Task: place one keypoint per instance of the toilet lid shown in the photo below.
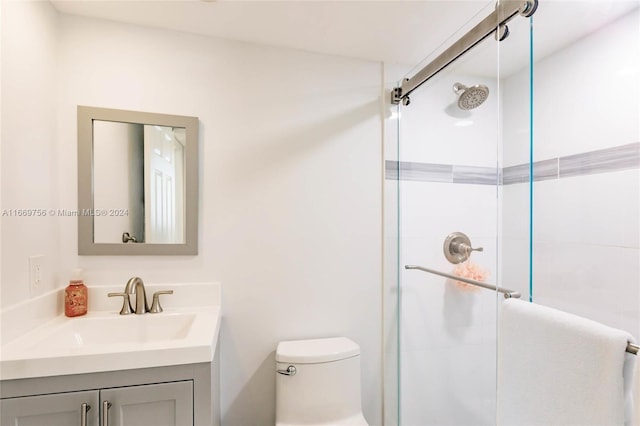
(316, 350)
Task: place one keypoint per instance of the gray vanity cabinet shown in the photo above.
(177, 395)
(60, 409)
(164, 404)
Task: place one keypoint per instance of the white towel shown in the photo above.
(555, 368)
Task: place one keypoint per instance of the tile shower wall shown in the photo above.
(289, 205)
(586, 257)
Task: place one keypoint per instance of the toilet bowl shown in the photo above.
(318, 383)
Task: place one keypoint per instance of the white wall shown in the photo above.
(29, 170)
(586, 257)
(290, 217)
(1, 203)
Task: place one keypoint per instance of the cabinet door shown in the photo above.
(60, 409)
(165, 404)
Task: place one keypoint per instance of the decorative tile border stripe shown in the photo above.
(476, 175)
(445, 173)
(542, 170)
(623, 157)
(515, 174)
(422, 172)
(602, 161)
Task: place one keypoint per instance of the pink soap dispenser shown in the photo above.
(75, 296)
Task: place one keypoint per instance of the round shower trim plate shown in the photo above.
(452, 247)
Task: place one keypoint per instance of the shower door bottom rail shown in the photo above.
(507, 293)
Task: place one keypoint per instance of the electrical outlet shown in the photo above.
(36, 275)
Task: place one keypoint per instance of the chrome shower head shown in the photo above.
(470, 97)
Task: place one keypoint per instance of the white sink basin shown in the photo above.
(118, 329)
(185, 333)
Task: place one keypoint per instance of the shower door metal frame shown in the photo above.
(496, 21)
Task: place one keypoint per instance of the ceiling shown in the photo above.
(393, 31)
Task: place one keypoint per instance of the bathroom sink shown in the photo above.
(103, 340)
(118, 329)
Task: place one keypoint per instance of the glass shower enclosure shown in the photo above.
(530, 148)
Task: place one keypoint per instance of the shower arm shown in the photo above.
(496, 21)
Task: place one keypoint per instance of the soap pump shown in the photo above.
(75, 296)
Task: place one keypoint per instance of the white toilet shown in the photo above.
(318, 383)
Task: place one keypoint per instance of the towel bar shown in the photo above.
(507, 293)
(631, 347)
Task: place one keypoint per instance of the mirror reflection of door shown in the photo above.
(163, 184)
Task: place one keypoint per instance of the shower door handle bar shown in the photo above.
(507, 293)
(504, 12)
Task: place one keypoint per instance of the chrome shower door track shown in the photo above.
(497, 20)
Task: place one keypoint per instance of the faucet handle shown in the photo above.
(155, 305)
(126, 305)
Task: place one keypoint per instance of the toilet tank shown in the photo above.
(325, 388)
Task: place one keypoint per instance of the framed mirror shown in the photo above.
(137, 183)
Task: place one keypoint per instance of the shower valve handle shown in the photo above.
(457, 247)
(467, 249)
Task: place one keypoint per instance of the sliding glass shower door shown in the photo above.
(540, 169)
(446, 182)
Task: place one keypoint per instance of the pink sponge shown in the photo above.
(471, 271)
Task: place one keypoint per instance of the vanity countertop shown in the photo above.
(102, 340)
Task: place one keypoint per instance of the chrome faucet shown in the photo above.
(136, 284)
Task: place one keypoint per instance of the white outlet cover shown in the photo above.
(36, 275)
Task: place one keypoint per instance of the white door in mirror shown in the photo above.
(163, 184)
